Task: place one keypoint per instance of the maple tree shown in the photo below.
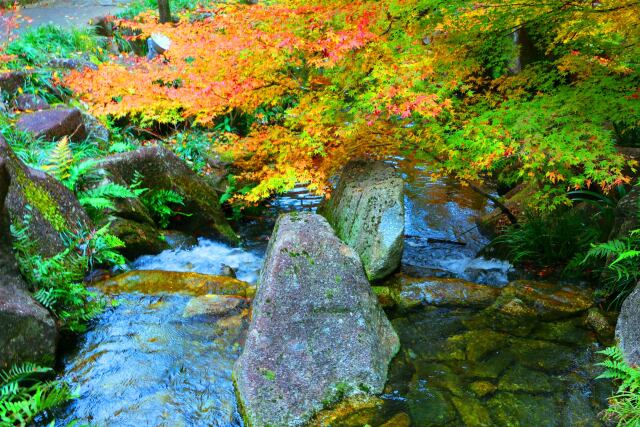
(440, 81)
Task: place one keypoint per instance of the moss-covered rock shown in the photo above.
(28, 330)
(162, 170)
(472, 412)
(139, 238)
(482, 388)
(401, 419)
(429, 406)
(542, 355)
(523, 410)
(317, 332)
(520, 379)
(367, 212)
(157, 282)
(38, 201)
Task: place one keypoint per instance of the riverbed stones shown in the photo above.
(54, 124)
(515, 409)
(29, 332)
(628, 328)
(40, 203)
(160, 169)
(153, 282)
(413, 292)
(212, 305)
(317, 333)
(367, 211)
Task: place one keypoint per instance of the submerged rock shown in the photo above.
(29, 332)
(354, 411)
(513, 409)
(160, 169)
(443, 292)
(429, 406)
(212, 305)
(401, 419)
(472, 412)
(317, 333)
(628, 328)
(547, 301)
(158, 281)
(39, 202)
(54, 124)
(367, 212)
(521, 379)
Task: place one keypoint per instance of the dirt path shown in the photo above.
(67, 13)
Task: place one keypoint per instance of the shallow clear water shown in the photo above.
(145, 363)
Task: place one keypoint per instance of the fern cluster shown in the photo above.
(624, 405)
(24, 394)
(57, 280)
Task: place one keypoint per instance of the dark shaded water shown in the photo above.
(145, 363)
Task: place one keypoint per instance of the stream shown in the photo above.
(146, 362)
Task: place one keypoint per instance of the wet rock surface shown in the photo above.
(317, 332)
(367, 211)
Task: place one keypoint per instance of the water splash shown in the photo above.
(207, 257)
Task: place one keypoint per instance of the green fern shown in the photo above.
(60, 161)
(624, 405)
(24, 394)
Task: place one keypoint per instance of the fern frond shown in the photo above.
(60, 160)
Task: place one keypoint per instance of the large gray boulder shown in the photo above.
(160, 169)
(628, 328)
(317, 333)
(39, 202)
(28, 330)
(367, 212)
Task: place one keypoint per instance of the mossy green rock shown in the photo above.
(429, 406)
(38, 201)
(520, 379)
(472, 412)
(354, 411)
(317, 333)
(139, 238)
(162, 170)
(542, 355)
(523, 410)
(29, 331)
(367, 212)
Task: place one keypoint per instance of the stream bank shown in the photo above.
(145, 362)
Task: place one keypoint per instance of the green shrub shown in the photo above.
(558, 240)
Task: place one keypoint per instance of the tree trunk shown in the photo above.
(165, 11)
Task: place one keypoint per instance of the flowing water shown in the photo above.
(146, 362)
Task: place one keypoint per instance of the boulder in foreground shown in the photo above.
(628, 328)
(29, 332)
(367, 212)
(317, 333)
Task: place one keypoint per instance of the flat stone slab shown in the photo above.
(54, 124)
(317, 333)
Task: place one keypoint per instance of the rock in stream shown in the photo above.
(317, 333)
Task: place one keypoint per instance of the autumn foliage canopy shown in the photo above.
(537, 91)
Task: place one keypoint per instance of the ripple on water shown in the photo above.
(207, 257)
(143, 363)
